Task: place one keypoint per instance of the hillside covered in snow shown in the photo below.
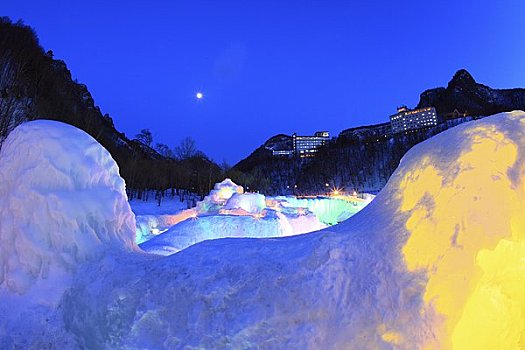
(435, 261)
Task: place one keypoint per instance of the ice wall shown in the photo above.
(330, 211)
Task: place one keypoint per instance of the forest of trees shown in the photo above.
(34, 85)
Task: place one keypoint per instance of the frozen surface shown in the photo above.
(435, 261)
(329, 210)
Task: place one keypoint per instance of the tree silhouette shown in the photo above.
(145, 137)
(186, 149)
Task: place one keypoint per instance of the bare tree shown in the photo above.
(145, 137)
(164, 150)
(186, 149)
(225, 166)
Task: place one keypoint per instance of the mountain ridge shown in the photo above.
(466, 95)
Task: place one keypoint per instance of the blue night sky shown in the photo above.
(268, 67)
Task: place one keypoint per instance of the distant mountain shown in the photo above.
(464, 94)
(364, 157)
(264, 152)
(34, 85)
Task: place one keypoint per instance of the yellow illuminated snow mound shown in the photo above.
(465, 224)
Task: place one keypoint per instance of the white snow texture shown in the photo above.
(403, 273)
(62, 202)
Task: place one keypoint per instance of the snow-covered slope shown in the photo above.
(435, 261)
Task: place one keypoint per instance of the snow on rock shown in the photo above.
(435, 261)
(62, 203)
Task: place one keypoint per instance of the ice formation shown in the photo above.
(62, 203)
(228, 212)
(192, 231)
(220, 194)
(252, 203)
(329, 210)
(149, 226)
(289, 215)
(435, 261)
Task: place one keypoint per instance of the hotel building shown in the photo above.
(306, 146)
(407, 120)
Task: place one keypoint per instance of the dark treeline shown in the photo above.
(359, 164)
(34, 85)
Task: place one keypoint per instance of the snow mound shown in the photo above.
(252, 203)
(435, 261)
(219, 195)
(62, 202)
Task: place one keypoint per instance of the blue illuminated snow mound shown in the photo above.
(62, 202)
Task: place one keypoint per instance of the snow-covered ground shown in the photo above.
(168, 206)
(435, 261)
(153, 219)
(229, 212)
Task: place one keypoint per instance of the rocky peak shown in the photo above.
(466, 96)
(462, 78)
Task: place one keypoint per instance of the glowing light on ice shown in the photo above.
(228, 212)
(199, 95)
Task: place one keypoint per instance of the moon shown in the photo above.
(199, 95)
